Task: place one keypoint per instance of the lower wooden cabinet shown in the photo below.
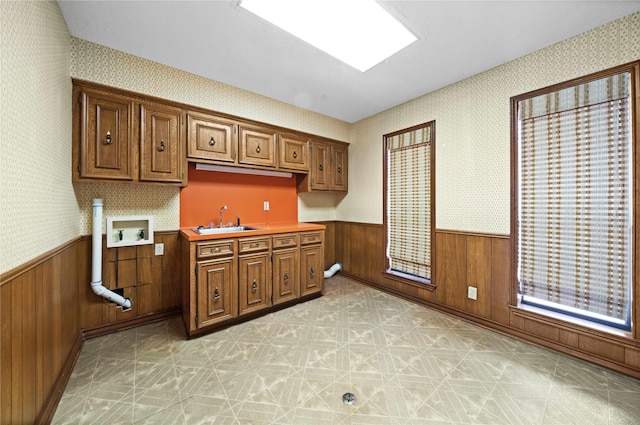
(215, 292)
(228, 280)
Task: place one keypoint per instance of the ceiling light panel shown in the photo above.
(360, 33)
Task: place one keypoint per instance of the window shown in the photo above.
(409, 207)
(574, 197)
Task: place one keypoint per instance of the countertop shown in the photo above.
(258, 229)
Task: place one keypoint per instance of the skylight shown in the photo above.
(360, 33)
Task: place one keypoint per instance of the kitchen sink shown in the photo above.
(217, 230)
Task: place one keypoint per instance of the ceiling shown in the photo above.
(221, 41)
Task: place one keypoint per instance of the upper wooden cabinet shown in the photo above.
(161, 151)
(329, 168)
(117, 136)
(293, 153)
(211, 137)
(257, 146)
(103, 145)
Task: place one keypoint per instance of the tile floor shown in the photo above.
(405, 364)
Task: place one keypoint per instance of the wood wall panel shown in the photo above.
(39, 314)
(451, 268)
(500, 286)
(479, 275)
(46, 304)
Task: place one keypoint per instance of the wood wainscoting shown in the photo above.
(464, 259)
(47, 308)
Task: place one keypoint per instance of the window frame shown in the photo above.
(515, 298)
(395, 275)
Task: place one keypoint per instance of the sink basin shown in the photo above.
(218, 230)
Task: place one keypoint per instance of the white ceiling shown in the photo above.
(221, 41)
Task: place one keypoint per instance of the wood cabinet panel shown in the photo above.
(103, 136)
(161, 156)
(215, 292)
(340, 168)
(211, 137)
(286, 277)
(293, 153)
(320, 174)
(255, 283)
(311, 269)
(257, 146)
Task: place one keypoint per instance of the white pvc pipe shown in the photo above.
(332, 270)
(96, 260)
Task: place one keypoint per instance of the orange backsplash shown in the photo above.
(243, 194)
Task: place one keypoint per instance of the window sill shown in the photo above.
(560, 319)
(408, 279)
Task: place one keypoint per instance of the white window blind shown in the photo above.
(409, 202)
(575, 200)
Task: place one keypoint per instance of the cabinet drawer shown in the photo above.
(286, 240)
(253, 244)
(311, 238)
(214, 249)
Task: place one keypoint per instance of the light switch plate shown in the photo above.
(266, 205)
(159, 249)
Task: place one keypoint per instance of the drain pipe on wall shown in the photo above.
(96, 261)
(332, 270)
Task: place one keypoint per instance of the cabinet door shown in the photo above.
(320, 166)
(311, 269)
(211, 137)
(255, 282)
(293, 153)
(215, 292)
(340, 164)
(161, 157)
(257, 146)
(286, 279)
(104, 136)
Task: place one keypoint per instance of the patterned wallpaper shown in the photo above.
(93, 62)
(472, 130)
(38, 208)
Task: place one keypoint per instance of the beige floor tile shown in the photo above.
(406, 364)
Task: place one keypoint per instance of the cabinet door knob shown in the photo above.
(161, 146)
(286, 277)
(216, 294)
(311, 272)
(212, 141)
(258, 149)
(107, 138)
(254, 287)
(340, 168)
(295, 154)
(321, 167)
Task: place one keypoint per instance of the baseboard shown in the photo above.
(126, 324)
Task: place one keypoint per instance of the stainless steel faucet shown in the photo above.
(222, 209)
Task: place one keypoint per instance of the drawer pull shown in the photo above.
(254, 245)
(212, 141)
(216, 294)
(312, 238)
(285, 241)
(254, 287)
(216, 249)
(286, 277)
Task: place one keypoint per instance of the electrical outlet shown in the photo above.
(266, 205)
(159, 249)
(472, 292)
